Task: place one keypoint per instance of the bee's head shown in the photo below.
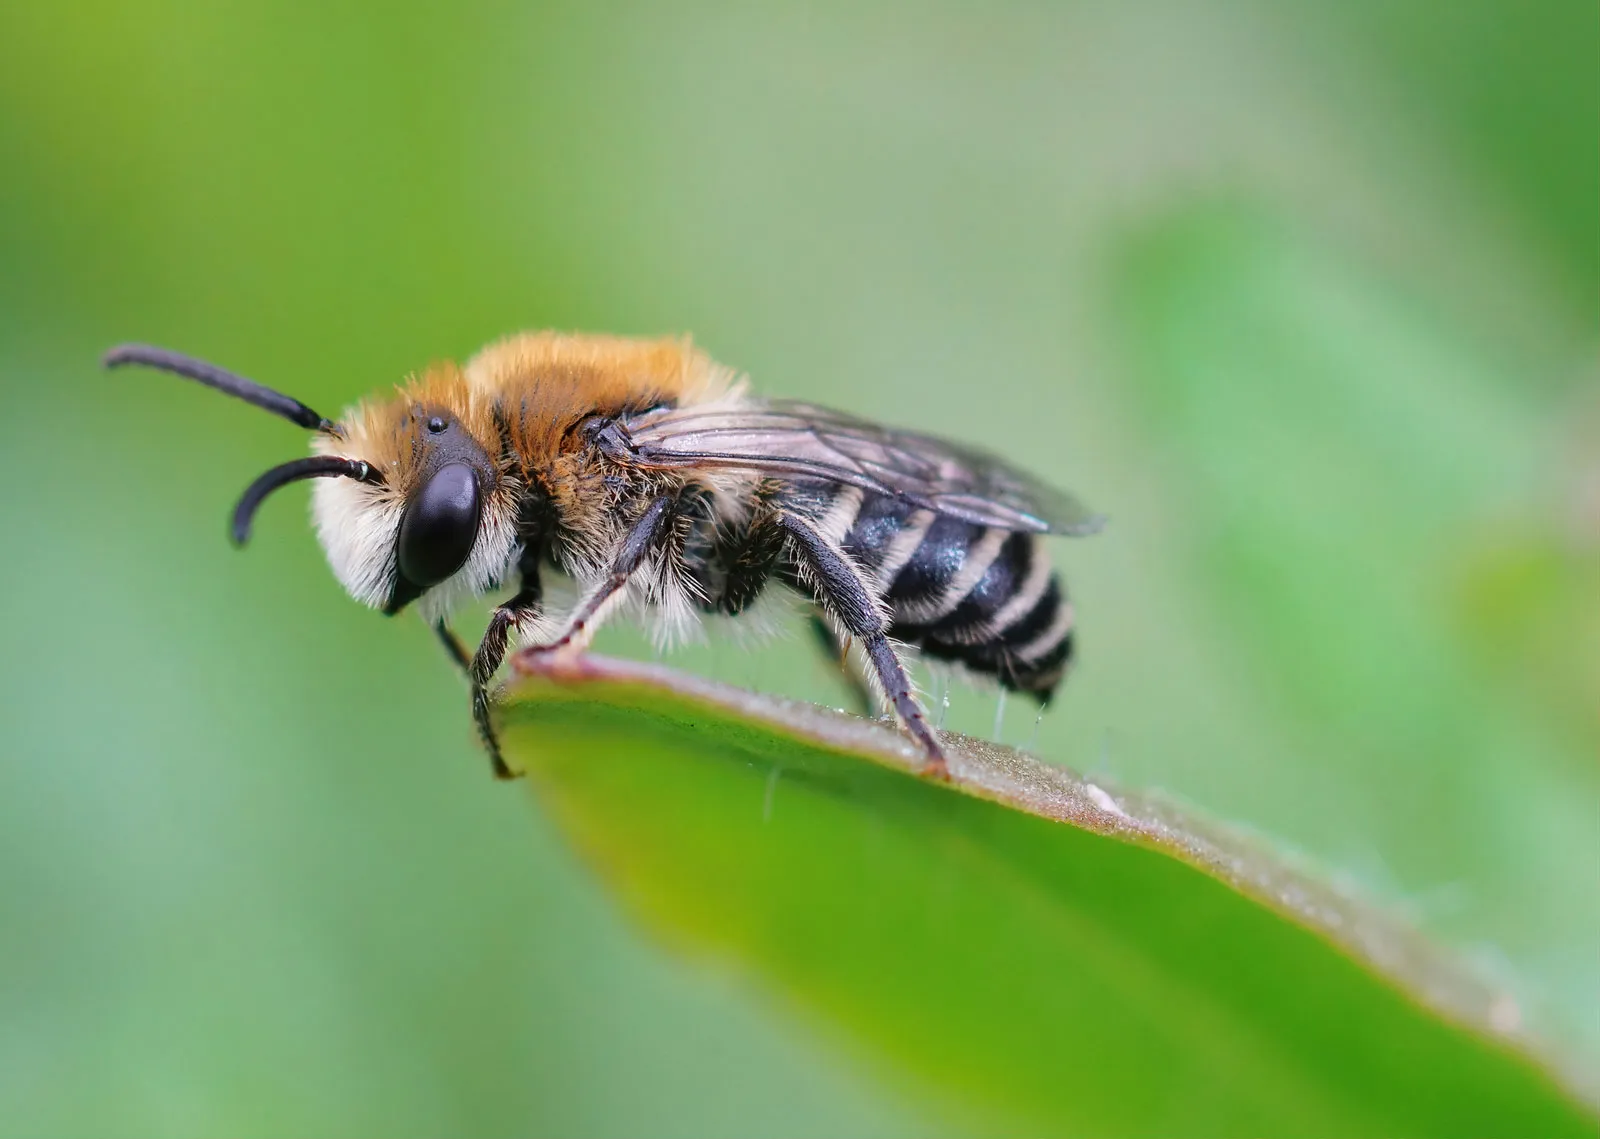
(408, 502)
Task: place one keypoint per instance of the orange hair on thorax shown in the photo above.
(529, 391)
(542, 384)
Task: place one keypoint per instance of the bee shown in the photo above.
(653, 478)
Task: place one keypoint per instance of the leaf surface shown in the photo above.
(1023, 950)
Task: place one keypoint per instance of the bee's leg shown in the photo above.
(847, 595)
(585, 619)
(491, 651)
(453, 646)
(838, 652)
(466, 662)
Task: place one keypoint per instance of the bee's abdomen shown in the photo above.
(979, 596)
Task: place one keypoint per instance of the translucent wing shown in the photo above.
(801, 440)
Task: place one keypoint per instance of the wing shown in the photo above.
(798, 439)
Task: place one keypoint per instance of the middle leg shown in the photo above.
(636, 545)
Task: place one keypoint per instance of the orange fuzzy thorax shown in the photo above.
(539, 385)
(545, 383)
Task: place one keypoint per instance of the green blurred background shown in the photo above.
(1303, 296)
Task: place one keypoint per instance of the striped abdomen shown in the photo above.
(979, 596)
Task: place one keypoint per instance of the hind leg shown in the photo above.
(842, 590)
(863, 700)
(748, 558)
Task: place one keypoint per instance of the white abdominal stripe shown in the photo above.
(981, 597)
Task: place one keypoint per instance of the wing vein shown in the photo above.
(811, 442)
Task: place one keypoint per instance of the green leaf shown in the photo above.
(1382, 519)
(1023, 950)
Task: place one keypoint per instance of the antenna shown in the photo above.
(222, 380)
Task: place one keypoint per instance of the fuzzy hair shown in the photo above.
(519, 399)
(359, 523)
(545, 383)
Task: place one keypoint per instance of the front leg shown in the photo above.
(845, 592)
(481, 666)
(452, 645)
(579, 628)
(486, 662)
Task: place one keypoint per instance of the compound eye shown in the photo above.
(440, 525)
